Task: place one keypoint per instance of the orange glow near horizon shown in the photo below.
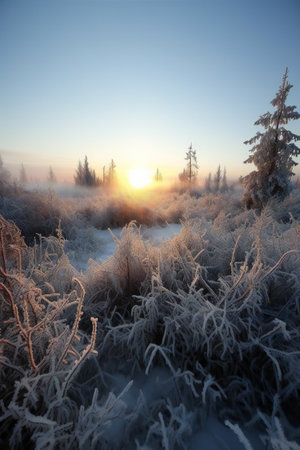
(139, 177)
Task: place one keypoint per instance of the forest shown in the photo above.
(191, 341)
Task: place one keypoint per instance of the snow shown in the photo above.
(211, 434)
(106, 245)
(173, 304)
(217, 436)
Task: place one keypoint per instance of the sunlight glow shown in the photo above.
(139, 177)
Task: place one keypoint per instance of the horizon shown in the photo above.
(137, 82)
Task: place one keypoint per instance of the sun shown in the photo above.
(139, 177)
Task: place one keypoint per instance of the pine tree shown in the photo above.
(217, 179)
(192, 166)
(5, 180)
(87, 175)
(103, 176)
(78, 177)
(272, 153)
(208, 187)
(224, 185)
(158, 176)
(23, 175)
(51, 176)
(111, 172)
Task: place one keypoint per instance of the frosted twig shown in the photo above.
(3, 249)
(238, 432)
(233, 254)
(89, 349)
(12, 304)
(278, 263)
(76, 323)
(165, 441)
(19, 256)
(29, 343)
(155, 349)
(117, 241)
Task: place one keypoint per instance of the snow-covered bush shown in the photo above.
(206, 324)
(42, 350)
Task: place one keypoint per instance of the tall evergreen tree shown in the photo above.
(272, 153)
(208, 187)
(190, 172)
(103, 176)
(85, 176)
(51, 176)
(217, 179)
(23, 175)
(5, 180)
(78, 177)
(158, 176)
(224, 184)
(111, 172)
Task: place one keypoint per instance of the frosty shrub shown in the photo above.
(206, 324)
(272, 153)
(42, 351)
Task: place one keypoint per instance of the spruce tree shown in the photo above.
(192, 166)
(217, 179)
(78, 177)
(224, 184)
(272, 153)
(23, 175)
(5, 181)
(85, 176)
(208, 187)
(111, 172)
(51, 176)
(158, 176)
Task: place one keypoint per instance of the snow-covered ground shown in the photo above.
(211, 434)
(171, 368)
(105, 244)
(156, 235)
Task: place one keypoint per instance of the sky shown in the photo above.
(139, 80)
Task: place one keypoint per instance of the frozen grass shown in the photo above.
(206, 324)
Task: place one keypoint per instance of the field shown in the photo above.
(191, 341)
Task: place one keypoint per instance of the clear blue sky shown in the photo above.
(138, 81)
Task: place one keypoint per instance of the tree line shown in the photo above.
(272, 154)
(85, 176)
(188, 176)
